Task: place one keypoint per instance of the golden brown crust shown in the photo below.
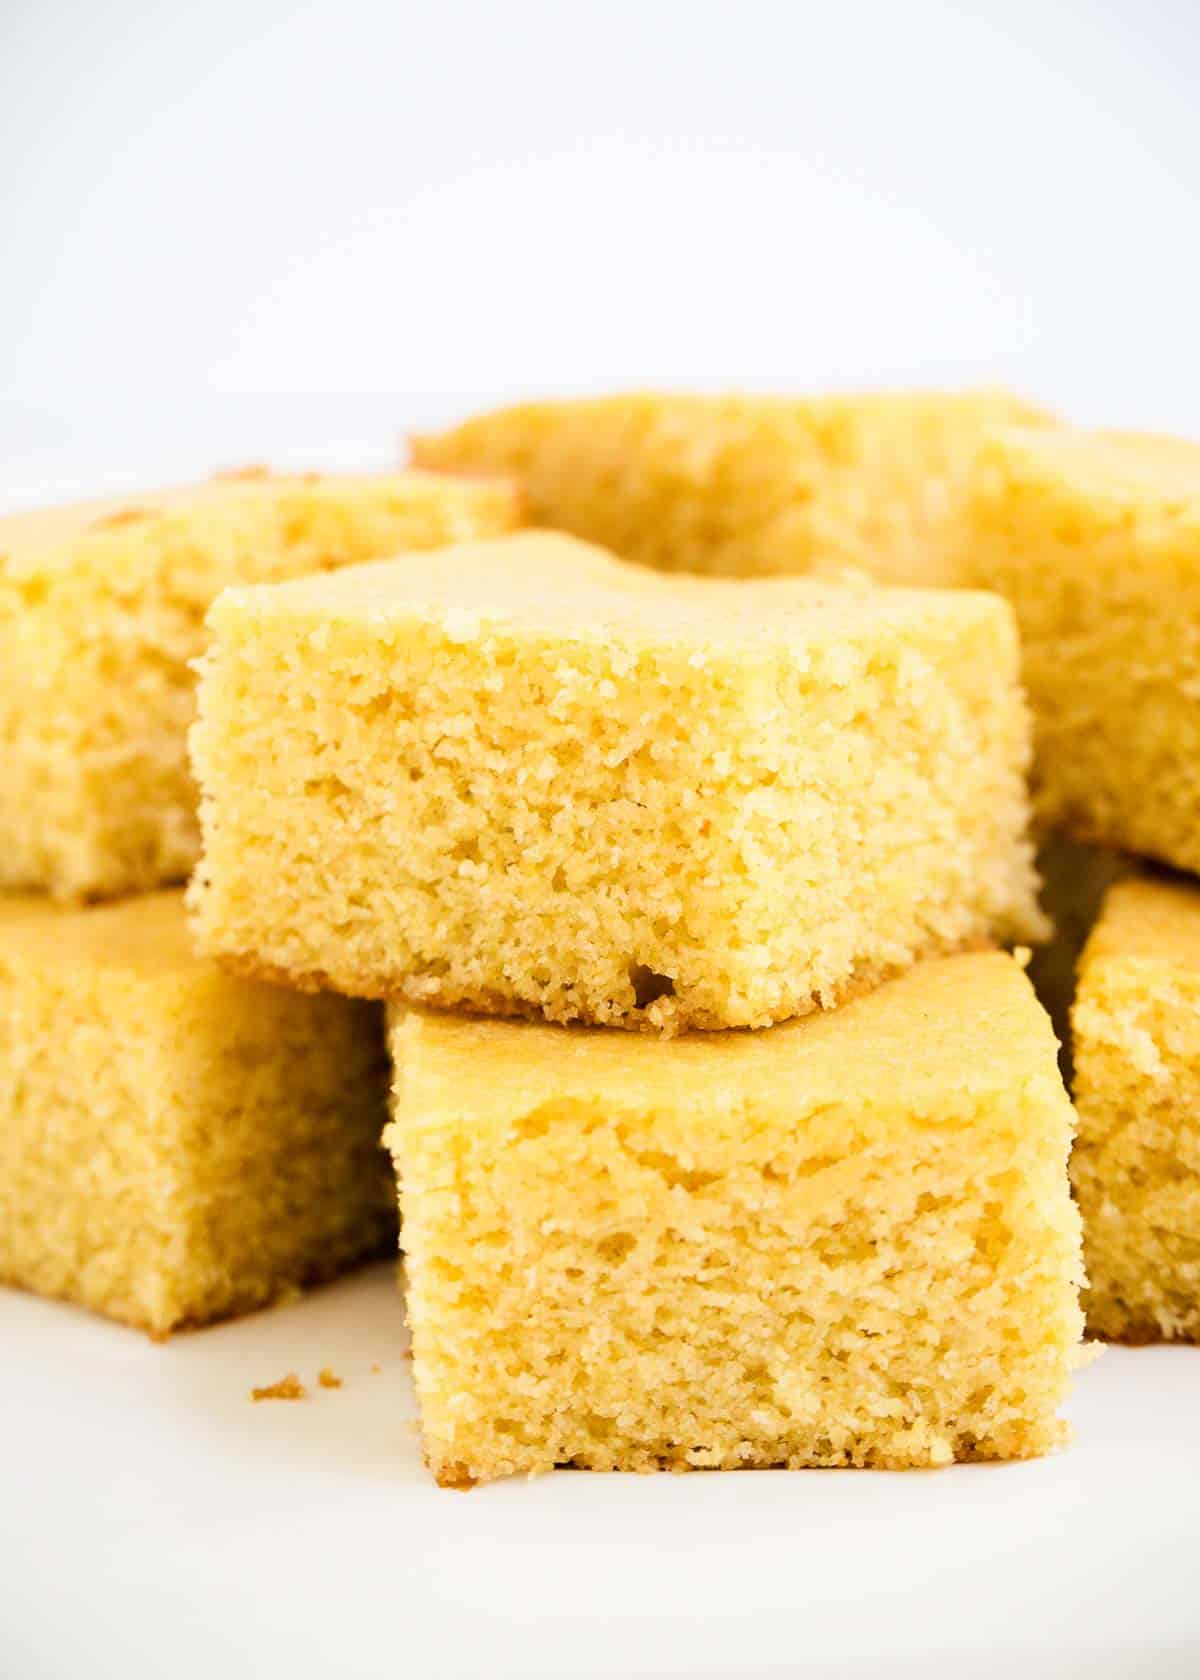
(1113, 1328)
(1034, 1443)
(248, 967)
(665, 1018)
(320, 1272)
(456, 1477)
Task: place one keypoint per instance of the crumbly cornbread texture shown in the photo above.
(176, 1144)
(746, 485)
(847, 1240)
(539, 780)
(1136, 1167)
(1096, 541)
(102, 608)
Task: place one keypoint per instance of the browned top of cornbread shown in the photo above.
(74, 535)
(544, 581)
(146, 935)
(967, 1025)
(1148, 920)
(1140, 472)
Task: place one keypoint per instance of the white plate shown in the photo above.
(154, 1522)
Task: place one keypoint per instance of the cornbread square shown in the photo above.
(102, 609)
(175, 1144)
(746, 485)
(1095, 538)
(848, 1240)
(538, 780)
(1136, 1166)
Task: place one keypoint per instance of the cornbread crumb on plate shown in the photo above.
(1095, 539)
(101, 611)
(1136, 1167)
(287, 1388)
(176, 1144)
(328, 1378)
(848, 1240)
(537, 780)
(745, 485)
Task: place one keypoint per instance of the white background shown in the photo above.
(239, 225)
(244, 230)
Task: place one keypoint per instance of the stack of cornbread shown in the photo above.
(726, 1131)
(1094, 538)
(176, 1143)
(757, 1173)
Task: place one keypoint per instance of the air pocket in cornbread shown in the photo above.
(847, 1240)
(102, 609)
(534, 779)
(176, 1144)
(1136, 1167)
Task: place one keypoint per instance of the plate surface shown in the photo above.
(154, 1521)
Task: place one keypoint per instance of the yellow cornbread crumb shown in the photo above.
(287, 1388)
(101, 610)
(1136, 1167)
(328, 1378)
(1095, 539)
(745, 485)
(538, 780)
(175, 1144)
(847, 1240)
